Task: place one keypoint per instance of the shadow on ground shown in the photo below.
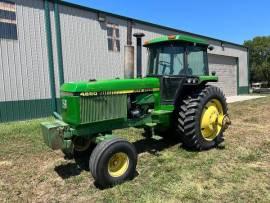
(153, 146)
(68, 170)
(150, 145)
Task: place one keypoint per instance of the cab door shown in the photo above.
(171, 68)
(170, 85)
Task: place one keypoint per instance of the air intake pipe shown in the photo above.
(129, 54)
(139, 37)
(129, 62)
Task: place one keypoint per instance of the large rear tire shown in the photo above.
(199, 118)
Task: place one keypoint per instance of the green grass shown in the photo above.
(30, 171)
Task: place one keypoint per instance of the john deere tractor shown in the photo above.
(173, 98)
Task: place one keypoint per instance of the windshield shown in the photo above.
(169, 59)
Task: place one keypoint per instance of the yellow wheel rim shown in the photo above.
(212, 119)
(118, 164)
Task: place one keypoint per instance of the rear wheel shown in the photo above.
(200, 118)
(113, 162)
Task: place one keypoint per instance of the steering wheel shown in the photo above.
(165, 65)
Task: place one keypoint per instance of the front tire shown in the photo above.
(113, 162)
(199, 118)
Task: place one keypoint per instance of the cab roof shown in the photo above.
(169, 38)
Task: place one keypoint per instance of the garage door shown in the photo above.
(226, 70)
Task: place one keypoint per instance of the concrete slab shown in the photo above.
(232, 99)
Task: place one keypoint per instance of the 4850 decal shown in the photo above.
(87, 94)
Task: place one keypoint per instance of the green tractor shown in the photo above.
(173, 98)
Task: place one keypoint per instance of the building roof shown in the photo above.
(146, 23)
(182, 38)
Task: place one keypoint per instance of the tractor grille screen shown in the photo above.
(101, 108)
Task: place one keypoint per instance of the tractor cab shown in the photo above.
(177, 60)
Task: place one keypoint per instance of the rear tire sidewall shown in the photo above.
(188, 117)
(208, 143)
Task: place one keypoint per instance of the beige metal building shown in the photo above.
(44, 43)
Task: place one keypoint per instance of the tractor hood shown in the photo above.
(111, 85)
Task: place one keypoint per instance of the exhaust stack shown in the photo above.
(139, 37)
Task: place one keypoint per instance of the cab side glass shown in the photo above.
(196, 61)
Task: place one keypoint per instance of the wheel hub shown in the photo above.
(118, 164)
(212, 119)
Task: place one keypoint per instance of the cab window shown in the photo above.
(196, 60)
(166, 60)
(177, 59)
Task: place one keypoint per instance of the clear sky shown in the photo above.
(230, 20)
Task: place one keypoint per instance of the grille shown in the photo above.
(101, 108)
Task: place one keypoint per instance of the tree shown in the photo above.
(259, 55)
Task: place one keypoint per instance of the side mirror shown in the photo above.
(213, 73)
(211, 48)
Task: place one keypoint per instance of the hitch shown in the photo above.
(226, 122)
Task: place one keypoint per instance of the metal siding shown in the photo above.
(85, 50)
(27, 109)
(24, 85)
(104, 64)
(55, 56)
(99, 57)
(24, 67)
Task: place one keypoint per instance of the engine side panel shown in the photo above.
(101, 108)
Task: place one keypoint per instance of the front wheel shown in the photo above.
(201, 118)
(113, 162)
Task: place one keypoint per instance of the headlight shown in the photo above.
(189, 80)
(192, 80)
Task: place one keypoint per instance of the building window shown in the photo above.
(8, 25)
(113, 37)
